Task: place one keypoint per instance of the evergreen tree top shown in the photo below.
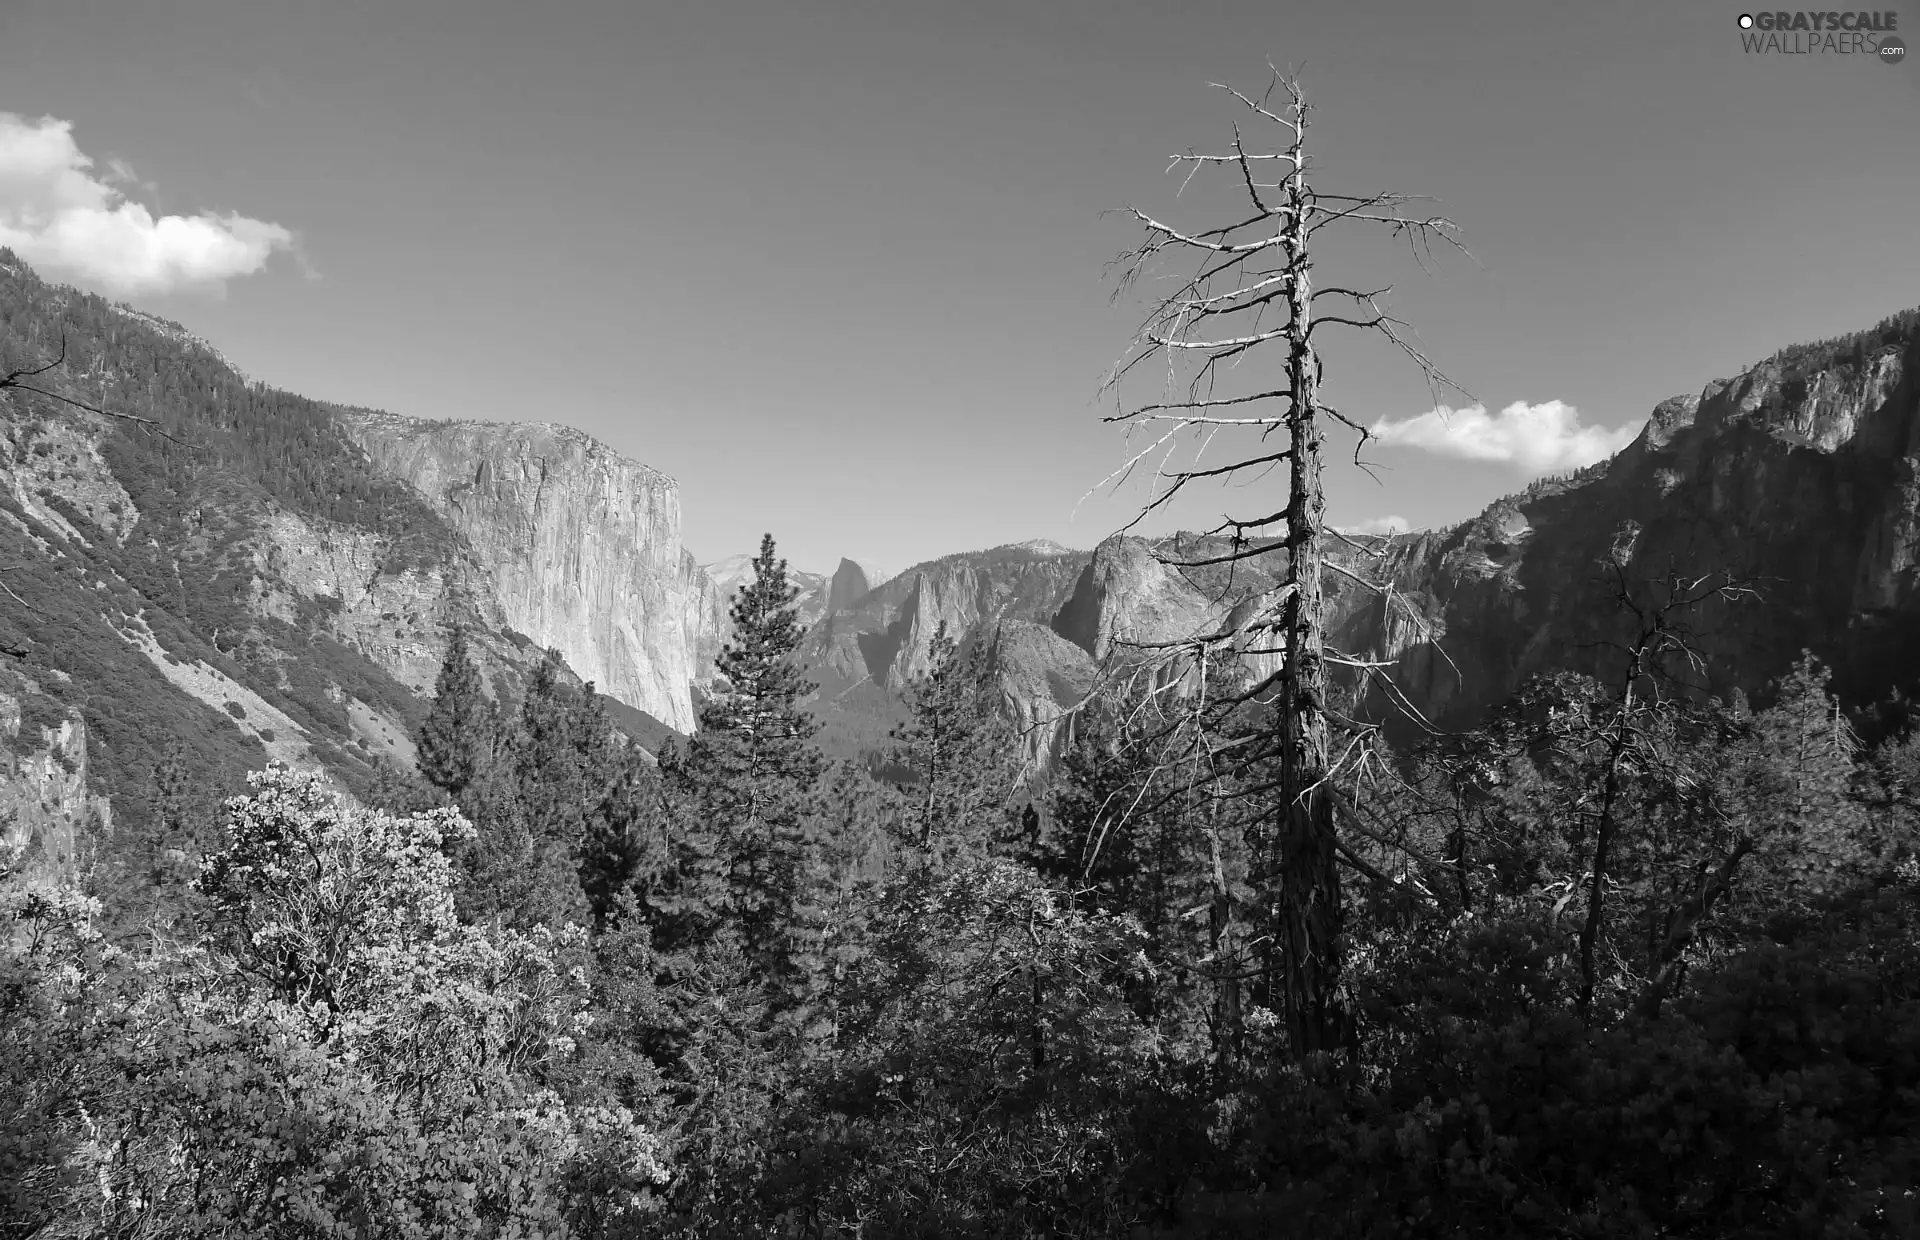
(764, 687)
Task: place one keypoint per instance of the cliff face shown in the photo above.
(582, 546)
(1797, 477)
(859, 656)
(848, 587)
(1800, 476)
(1041, 676)
(886, 636)
(46, 807)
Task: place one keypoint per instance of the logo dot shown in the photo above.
(1746, 21)
(1892, 50)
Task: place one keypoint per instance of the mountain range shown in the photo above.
(250, 574)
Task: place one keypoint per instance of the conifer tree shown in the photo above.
(455, 740)
(745, 838)
(625, 845)
(169, 848)
(962, 755)
(564, 757)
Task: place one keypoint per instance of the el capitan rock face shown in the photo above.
(582, 546)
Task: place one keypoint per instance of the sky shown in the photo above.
(842, 268)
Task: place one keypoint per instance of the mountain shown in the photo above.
(582, 546)
(1800, 477)
(257, 575)
(861, 655)
(730, 574)
(253, 575)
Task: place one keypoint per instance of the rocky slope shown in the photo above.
(1800, 476)
(860, 655)
(245, 586)
(47, 811)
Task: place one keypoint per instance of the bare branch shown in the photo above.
(16, 379)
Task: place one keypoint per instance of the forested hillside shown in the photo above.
(217, 578)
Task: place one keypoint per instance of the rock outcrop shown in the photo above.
(848, 587)
(46, 805)
(886, 636)
(1041, 676)
(582, 546)
(1800, 477)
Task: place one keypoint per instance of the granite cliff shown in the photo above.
(581, 546)
(1800, 476)
(247, 586)
(861, 655)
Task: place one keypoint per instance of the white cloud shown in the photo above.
(1379, 525)
(1539, 439)
(58, 214)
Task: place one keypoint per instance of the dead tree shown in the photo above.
(1243, 294)
(17, 379)
(1662, 636)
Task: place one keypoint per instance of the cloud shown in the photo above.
(1539, 439)
(1379, 525)
(58, 214)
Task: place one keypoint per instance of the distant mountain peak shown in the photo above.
(1039, 546)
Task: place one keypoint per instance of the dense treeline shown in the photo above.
(547, 987)
(1852, 351)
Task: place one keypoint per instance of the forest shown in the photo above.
(547, 987)
(1626, 959)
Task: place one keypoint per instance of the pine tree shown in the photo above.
(563, 757)
(455, 740)
(965, 764)
(745, 844)
(625, 846)
(1811, 835)
(401, 791)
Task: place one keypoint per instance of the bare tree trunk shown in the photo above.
(1243, 289)
(1309, 889)
(1228, 1018)
(1661, 634)
(1596, 887)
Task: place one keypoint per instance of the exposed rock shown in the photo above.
(1041, 676)
(397, 615)
(1798, 476)
(849, 586)
(58, 456)
(45, 802)
(1126, 595)
(582, 545)
(886, 637)
(282, 738)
